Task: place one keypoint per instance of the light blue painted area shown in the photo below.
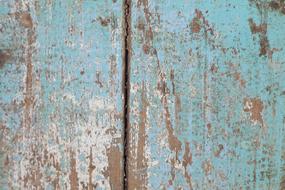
(213, 81)
(197, 63)
(76, 60)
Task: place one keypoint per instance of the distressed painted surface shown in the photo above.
(61, 94)
(207, 95)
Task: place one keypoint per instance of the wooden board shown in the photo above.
(207, 95)
(61, 94)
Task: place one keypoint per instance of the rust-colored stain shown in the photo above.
(278, 5)
(187, 157)
(238, 78)
(196, 22)
(146, 10)
(262, 28)
(174, 143)
(26, 19)
(104, 21)
(141, 24)
(262, 31)
(214, 69)
(114, 167)
(146, 29)
(187, 160)
(5, 55)
(172, 171)
(178, 108)
(255, 107)
(219, 150)
(207, 167)
(73, 176)
(199, 22)
(146, 48)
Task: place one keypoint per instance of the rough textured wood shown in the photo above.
(61, 94)
(207, 95)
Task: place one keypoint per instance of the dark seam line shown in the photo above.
(126, 84)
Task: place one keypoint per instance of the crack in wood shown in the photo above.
(126, 82)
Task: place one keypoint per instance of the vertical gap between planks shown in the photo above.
(126, 83)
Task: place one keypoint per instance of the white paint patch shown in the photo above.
(99, 103)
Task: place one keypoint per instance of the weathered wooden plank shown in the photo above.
(207, 95)
(61, 94)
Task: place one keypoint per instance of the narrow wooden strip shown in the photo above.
(207, 95)
(61, 94)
